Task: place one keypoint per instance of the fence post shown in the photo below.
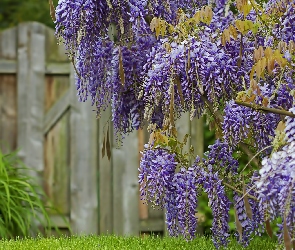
(125, 185)
(83, 158)
(30, 94)
(105, 181)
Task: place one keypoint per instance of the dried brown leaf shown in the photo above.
(291, 47)
(268, 228)
(281, 126)
(179, 88)
(238, 224)
(265, 102)
(154, 23)
(108, 145)
(121, 68)
(103, 151)
(171, 111)
(152, 138)
(268, 52)
(247, 204)
(270, 65)
(233, 31)
(52, 10)
(282, 46)
(287, 238)
(188, 66)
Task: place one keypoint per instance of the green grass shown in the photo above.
(125, 243)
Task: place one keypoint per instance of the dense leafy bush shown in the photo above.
(21, 206)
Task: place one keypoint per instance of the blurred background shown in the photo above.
(61, 138)
(13, 12)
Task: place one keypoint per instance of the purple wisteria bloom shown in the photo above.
(276, 184)
(220, 205)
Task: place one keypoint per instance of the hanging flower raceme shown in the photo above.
(276, 184)
(156, 172)
(220, 205)
(186, 187)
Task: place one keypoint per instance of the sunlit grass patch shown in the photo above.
(125, 243)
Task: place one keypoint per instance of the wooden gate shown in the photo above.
(61, 139)
(56, 135)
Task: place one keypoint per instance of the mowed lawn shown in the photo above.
(126, 243)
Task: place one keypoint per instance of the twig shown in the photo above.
(255, 156)
(270, 110)
(218, 117)
(248, 152)
(249, 195)
(238, 191)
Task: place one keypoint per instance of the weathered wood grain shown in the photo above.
(30, 89)
(143, 207)
(57, 165)
(125, 184)
(8, 44)
(197, 136)
(8, 113)
(84, 146)
(8, 66)
(105, 181)
(183, 128)
(63, 68)
(55, 89)
(58, 109)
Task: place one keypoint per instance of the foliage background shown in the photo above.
(13, 12)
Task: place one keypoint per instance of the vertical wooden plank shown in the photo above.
(8, 44)
(57, 169)
(197, 136)
(143, 207)
(8, 110)
(84, 150)
(30, 86)
(105, 178)
(183, 128)
(125, 187)
(8, 94)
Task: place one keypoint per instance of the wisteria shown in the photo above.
(220, 205)
(232, 62)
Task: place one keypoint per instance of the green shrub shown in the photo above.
(21, 206)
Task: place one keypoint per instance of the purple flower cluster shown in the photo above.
(79, 22)
(220, 157)
(185, 187)
(220, 205)
(276, 185)
(176, 192)
(288, 20)
(93, 80)
(156, 172)
(240, 122)
(236, 125)
(244, 221)
(258, 210)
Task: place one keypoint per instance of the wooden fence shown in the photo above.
(61, 139)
